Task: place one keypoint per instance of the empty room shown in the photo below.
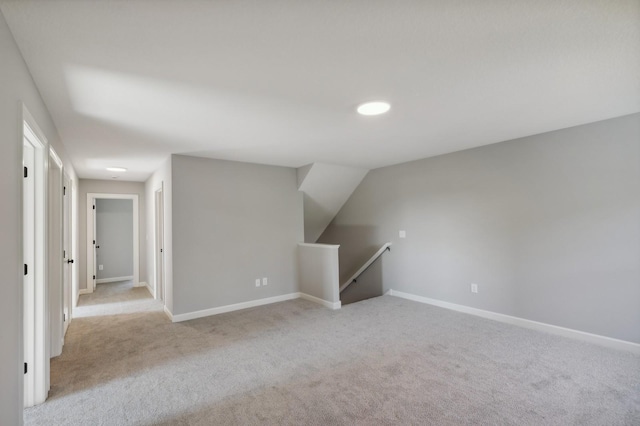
(290, 212)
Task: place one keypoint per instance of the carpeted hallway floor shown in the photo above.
(381, 361)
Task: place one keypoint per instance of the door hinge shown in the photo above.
(64, 317)
(94, 277)
(26, 173)
(160, 250)
(94, 242)
(26, 269)
(94, 207)
(25, 368)
(64, 190)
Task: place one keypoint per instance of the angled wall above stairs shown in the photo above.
(326, 188)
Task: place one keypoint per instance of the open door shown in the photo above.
(35, 299)
(55, 268)
(95, 248)
(159, 249)
(67, 261)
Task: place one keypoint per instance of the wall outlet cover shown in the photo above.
(265, 281)
(402, 234)
(100, 267)
(257, 282)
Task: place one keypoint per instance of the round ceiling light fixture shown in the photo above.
(116, 169)
(373, 108)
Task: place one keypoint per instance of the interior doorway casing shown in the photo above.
(35, 294)
(91, 223)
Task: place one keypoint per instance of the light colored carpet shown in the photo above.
(381, 361)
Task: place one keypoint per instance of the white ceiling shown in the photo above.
(277, 82)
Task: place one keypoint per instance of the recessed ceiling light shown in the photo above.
(373, 108)
(116, 169)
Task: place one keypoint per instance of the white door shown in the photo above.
(159, 245)
(95, 247)
(28, 235)
(55, 268)
(67, 254)
(35, 306)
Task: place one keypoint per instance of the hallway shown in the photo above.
(116, 298)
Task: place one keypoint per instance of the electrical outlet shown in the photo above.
(257, 282)
(402, 234)
(100, 267)
(474, 288)
(265, 281)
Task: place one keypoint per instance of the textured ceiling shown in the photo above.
(277, 82)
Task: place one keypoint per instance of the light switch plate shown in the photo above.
(402, 234)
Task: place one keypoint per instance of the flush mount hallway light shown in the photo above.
(116, 169)
(373, 108)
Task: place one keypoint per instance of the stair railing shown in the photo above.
(364, 267)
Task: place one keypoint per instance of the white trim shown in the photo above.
(115, 279)
(325, 303)
(534, 325)
(234, 307)
(148, 286)
(168, 312)
(136, 234)
(35, 320)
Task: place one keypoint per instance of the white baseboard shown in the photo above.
(535, 325)
(234, 307)
(169, 314)
(325, 303)
(148, 286)
(113, 280)
(84, 291)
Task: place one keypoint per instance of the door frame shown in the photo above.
(91, 272)
(35, 299)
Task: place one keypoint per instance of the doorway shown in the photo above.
(94, 245)
(35, 297)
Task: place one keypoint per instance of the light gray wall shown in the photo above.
(160, 179)
(326, 188)
(232, 223)
(548, 226)
(318, 271)
(87, 186)
(114, 235)
(16, 87)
